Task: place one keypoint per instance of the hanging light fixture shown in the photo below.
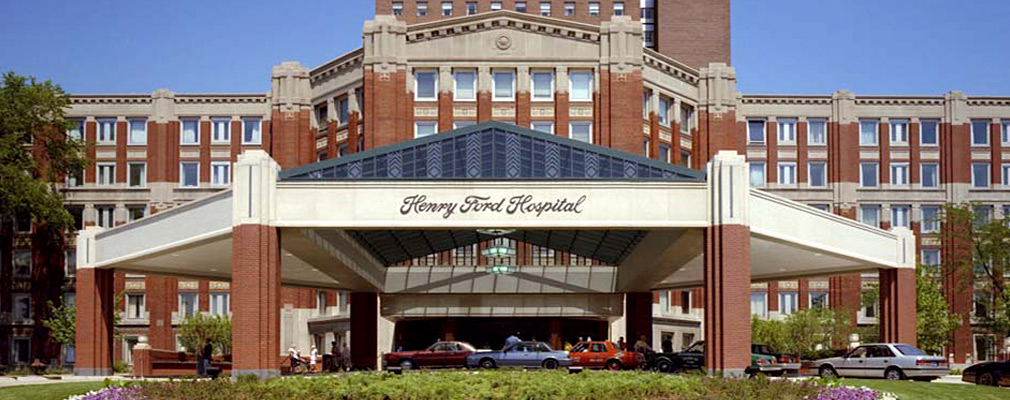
(495, 231)
(499, 252)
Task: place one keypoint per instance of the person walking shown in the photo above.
(335, 363)
(345, 357)
(667, 344)
(203, 361)
(622, 344)
(313, 357)
(641, 346)
(295, 357)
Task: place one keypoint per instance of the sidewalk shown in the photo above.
(7, 381)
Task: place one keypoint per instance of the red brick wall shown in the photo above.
(256, 294)
(897, 305)
(694, 32)
(94, 321)
(631, 7)
(727, 288)
(621, 120)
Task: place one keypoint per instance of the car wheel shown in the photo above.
(894, 374)
(614, 365)
(406, 364)
(988, 379)
(827, 372)
(487, 363)
(550, 364)
(664, 365)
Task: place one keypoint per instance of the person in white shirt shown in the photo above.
(313, 356)
(294, 356)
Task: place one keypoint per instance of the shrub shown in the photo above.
(195, 330)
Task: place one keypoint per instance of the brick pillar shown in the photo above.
(292, 140)
(555, 339)
(162, 297)
(727, 267)
(364, 330)
(717, 124)
(449, 329)
(638, 316)
(897, 293)
(95, 298)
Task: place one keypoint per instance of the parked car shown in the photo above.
(992, 373)
(528, 354)
(439, 355)
(693, 358)
(790, 363)
(600, 354)
(892, 361)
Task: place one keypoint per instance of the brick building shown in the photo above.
(648, 78)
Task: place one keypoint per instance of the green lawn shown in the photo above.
(50, 391)
(909, 390)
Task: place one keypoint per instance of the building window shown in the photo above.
(22, 263)
(930, 219)
(1006, 176)
(901, 216)
(686, 119)
(931, 258)
(321, 302)
(471, 8)
(1005, 134)
(979, 132)
(220, 173)
(70, 269)
(190, 131)
(136, 212)
(543, 126)
(321, 118)
(425, 128)
(422, 9)
(899, 174)
(930, 173)
(543, 85)
(664, 152)
(75, 179)
(869, 214)
(685, 301)
(106, 216)
(618, 8)
(569, 9)
(788, 302)
(77, 212)
(495, 5)
(463, 124)
(870, 311)
(645, 148)
(979, 175)
(756, 131)
(220, 130)
(106, 130)
(446, 8)
(21, 350)
(425, 85)
(817, 173)
(137, 172)
(219, 304)
(817, 132)
(823, 207)
(189, 174)
(23, 223)
(664, 111)
(757, 174)
(135, 306)
(521, 6)
(76, 131)
(868, 174)
(106, 174)
(251, 130)
(504, 85)
(928, 132)
(189, 304)
(787, 173)
(594, 9)
(818, 300)
(685, 158)
(464, 85)
(983, 213)
(545, 8)
(581, 131)
(867, 132)
(581, 85)
(397, 8)
(138, 131)
(787, 131)
(759, 304)
(899, 132)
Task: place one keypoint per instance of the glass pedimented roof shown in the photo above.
(492, 151)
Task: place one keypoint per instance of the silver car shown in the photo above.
(892, 361)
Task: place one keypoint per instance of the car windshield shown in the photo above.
(909, 350)
(463, 346)
(543, 347)
(579, 348)
(697, 347)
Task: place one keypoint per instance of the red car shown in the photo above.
(604, 355)
(438, 355)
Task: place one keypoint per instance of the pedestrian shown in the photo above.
(203, 361)
(667, 344)
(345, 357)
(294, 356)
(622, 344)
(313, 357)
(334, 356)
(641, 346)
(511, 341)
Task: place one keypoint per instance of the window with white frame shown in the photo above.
(869, 214)
(135, 212)
(136, 174)
(21, 350)
(321, 302)
(899, 132)
(425, 85)
(788, 302)
(471, 8)
(106, 130)
(543, 85)
(190, 131)
(135, 308)
(22, 306)
(901, 215)
(594, 9)
(219, 304)
(569, 9)
(23, 223)
(495, 5)
(664, 111)
(21, 261)
(787, 130)
(664, 152)
(817, 174)
(189, 304)
(930, 175)
(422, 9)
(425, 128)
(869, 311)
(70, 267)
(543, 126)
(899, 174)
(1005, 132)
(189, 174)
(787, 173)
(867, 132)
(930, 221)
(979, 132)
(757, 174)
(646, 146)
(820, 206)
(1006, 176)
(686, 119)
(106, 216)
(446, 8)
(220, 130)
(868, 174)
(979, 175)
(220, 173)
(521, 6)
(930, 257)
(138, 131)
(818, 300)
(76, 131)
(817, 132)
(252, 128)
(618, 8)
(397, 8)
(581, 83)
(504, 85)
(581, 131)
(106, 174)
(759, 304)
(464, 85)
(685, 158)
(463, 123)
(545, 8)
(756, 131)
(929, 132)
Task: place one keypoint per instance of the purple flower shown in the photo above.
(112, 393)
(847, 393)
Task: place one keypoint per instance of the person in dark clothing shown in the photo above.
(204, 362)
(667, 344)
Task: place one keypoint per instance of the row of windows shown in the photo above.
(788, 302)
(190, 135)
(578, 130)
(901, 215)
(189, 174)
(569, 8)
(868, 132)
(869, 174)
(503, 82)
(817, 131)
(665, 112)
(189, 305)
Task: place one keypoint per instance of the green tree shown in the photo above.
(195, 330)
(35, 154)
(62, 323)
(935, 321)
(769, 332)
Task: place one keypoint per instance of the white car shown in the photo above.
(892, 361)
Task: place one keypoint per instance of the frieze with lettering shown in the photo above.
(522, 204)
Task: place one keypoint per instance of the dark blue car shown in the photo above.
(525, 354)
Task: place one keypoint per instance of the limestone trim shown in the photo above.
(502, 19)
(670, 66)
(350, 60)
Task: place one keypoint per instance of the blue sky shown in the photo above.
(901, 47)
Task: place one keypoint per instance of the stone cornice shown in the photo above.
(503, 19)
(352, 59)
(670, 66)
